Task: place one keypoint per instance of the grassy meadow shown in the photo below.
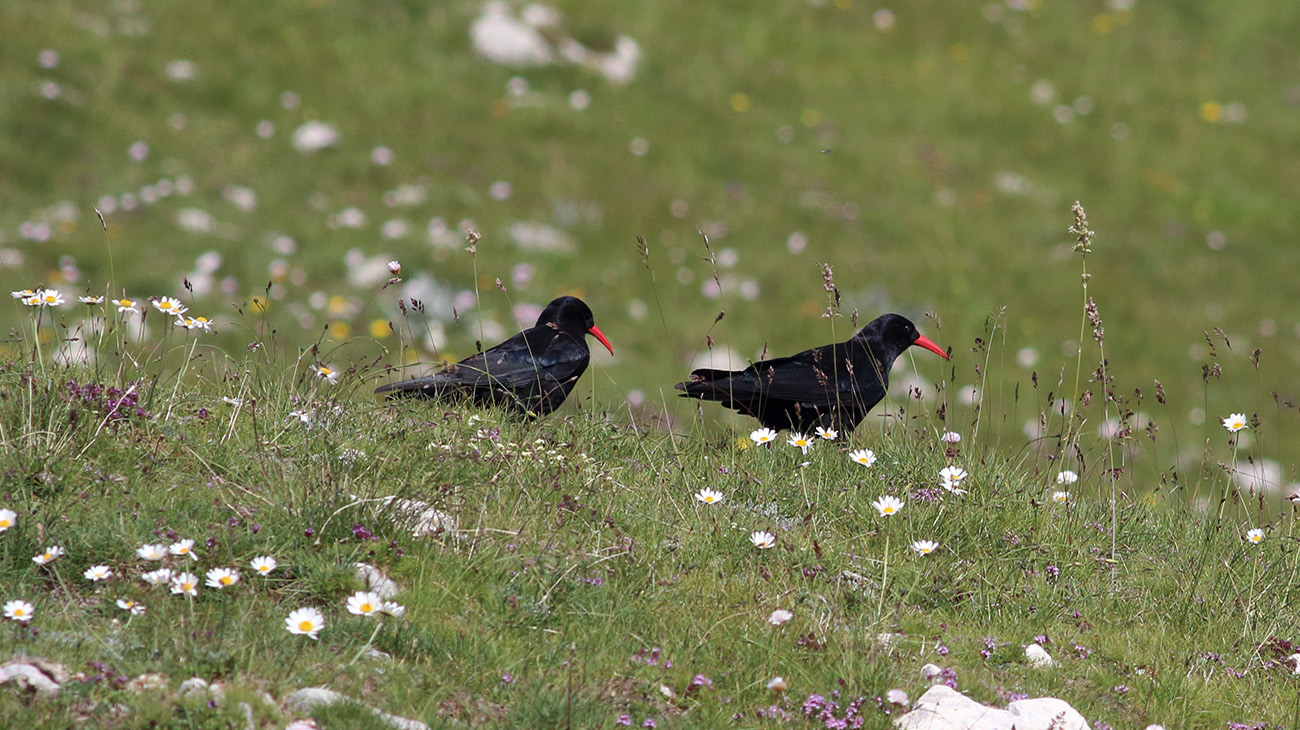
(751, 179)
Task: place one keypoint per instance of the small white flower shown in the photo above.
(1038, 656)
(925, 547)
(888, 505)
(1235, 422)
(1066, 477)
(865, 457)
(1255, 536)
(127, 604)
(167, 305)
(1061, 497)
(364, 603)
(33, 301)
(763, 436)
(950, 437)
(307, 621)
(51, 553)
(392, 608)
(24, 294)
(328, 374)
(125, 305)
(8, 518)
(709, 496)
(779, 616)
(96, 573)
(49, 298)
(303, 417)
(91, 301)
(394, 267)
(222, 577)
(829, 434)
(160, 577)
(185, 583)
(897, 697)
(762, 539)
(194, 323)
(264, 564)
(20, 611)
(801, 441)
(236, 402)
(951, 478)
(183, 547)
(151, 552)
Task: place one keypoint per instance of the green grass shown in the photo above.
(580, 552)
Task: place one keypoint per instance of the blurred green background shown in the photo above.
(928, 151)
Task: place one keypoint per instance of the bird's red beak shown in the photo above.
(601, 336)
(928, 344)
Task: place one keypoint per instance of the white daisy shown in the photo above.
(24, 294)
(865, 457)
(125, 305)
(222, 577)
(803, 442)
(185, 583)
(888, 505)
(762, 539)
(306, 621)
(160, 577)
(90, 301)
(1255, 536)
(127, 604)
(1235, 422)
(392, 608)
(8, 518)
(50, 297)
(709, 496)
(96, 573)
(763, 436)
(51, 553)
(184, 548)
(951, 478)
(1061, 497)
(151, 552)
(328, 374)
(950, 437)
(364, 603)
(263, 564)
(20, 611)
(1066, 477)
(167, 305)
(829, 434)
(925, 547)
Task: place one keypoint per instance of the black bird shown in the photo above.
(530, 373)
(832, 386)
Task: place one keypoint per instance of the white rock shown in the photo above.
(28, 676)
(931, 672)
(305, 700)
(1046, 712)
(944, 708)
(1038, 656)
(425, 518)
(375, 580)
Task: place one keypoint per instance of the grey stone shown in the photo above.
(28, 676)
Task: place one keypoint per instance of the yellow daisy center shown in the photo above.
(225, 580)
(5, 523)
(366, 608)
(304, 625)
(886, 510)
(19, 611)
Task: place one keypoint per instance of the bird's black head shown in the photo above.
(572, 315)
(894, 333)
